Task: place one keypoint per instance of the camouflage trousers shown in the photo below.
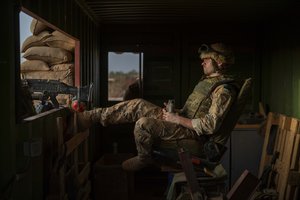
(149, 125)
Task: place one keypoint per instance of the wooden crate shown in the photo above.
(110, 181)
(71, 168)
(287, 145)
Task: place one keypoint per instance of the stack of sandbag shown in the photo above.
(49, 55)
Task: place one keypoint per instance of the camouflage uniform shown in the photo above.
(206, 106)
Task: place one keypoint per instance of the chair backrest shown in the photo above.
(234, 113)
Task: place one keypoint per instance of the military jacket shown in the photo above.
(209, 102)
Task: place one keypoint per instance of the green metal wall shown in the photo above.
(7, 130)
(170, 51)
(281, 68)
(172, 66)
(70, 17)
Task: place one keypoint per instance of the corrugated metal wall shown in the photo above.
(7, 129)
(70, 17)
(281, 67)
(170, 55)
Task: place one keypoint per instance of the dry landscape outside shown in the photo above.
(118, 82)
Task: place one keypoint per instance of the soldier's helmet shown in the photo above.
(218, 52)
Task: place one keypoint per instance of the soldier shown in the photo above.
(201, 115)
(133, 90)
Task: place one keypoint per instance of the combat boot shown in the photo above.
(136, 163)
(87, 118)
(84, 120)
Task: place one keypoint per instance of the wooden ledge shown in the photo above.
(43, 114)
(249, 126)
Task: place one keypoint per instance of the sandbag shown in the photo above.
(60, 40)
(63, 76)
(34, 65)
(64, 99)
(35, 40)
(37, 27)
(62, 67)
(50, 55)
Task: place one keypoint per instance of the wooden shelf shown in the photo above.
(249, 126)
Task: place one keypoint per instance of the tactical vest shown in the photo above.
(198, 102)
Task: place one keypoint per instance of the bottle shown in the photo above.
(171, 106)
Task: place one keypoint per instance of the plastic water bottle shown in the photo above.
(171, 106)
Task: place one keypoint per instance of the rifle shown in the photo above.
(42, 89)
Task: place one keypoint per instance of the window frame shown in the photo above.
(140, 72)
(76, 61)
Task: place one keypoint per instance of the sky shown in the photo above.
(25, 21)
(124, 62)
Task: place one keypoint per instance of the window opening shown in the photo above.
(47, 66)
(124, 75)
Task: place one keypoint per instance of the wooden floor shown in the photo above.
(150, 185)
(147, 184)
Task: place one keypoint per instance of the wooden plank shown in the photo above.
(272, 119)
(60, 133)
(86, 151)
(297, 189)
(278, 146)
(280, 149)
(57, 178)
(75, 157)
(295, 157)
(278, 141)
(75, 147)
(73, 143)
(86, 191)
(294, 178)
(280, 125)
(83, 175)
(75, 128)
(244, 187)
(287, 156)
(60, 151)
(291, 189)
(44, 114)
(248, 126)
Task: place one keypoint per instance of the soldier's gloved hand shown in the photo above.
(170, 117)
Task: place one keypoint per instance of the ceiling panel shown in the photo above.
(184, 11)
